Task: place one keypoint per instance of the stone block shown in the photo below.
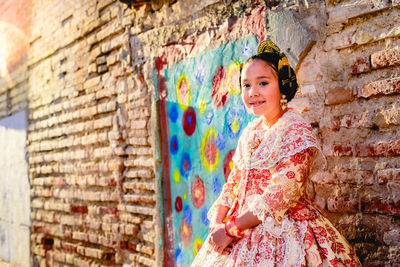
(288, 33)
(381, 87)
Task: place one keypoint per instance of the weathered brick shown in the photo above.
(80, 236)
(341, 150)
(92, 82)
(142, 161)
(338, 96)
(357, 120)
(381, 87)
(103, 122)
(67, 246)
(350, 9)
(341, 205)
(361, 65)
(79, 209)
(385, 58)
(137, 209)
(388, 175)
(380, 205)
(392, 237)
(384, 148)
(93, 252)
(137, 185)
(140, 124)
(388, 116)
(360, 177)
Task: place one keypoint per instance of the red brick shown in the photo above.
(341, 150)
(361, 65)
(378, 149)
(380, 205)
(70, 247)
(381, 87)
(109, 210)
(356, 177)
(358, 120)
(79, 209)
(385, 58)
(336, 204)
(338, 96)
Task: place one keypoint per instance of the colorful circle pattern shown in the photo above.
(198, 192)
(219, 89)
(234, 122)
(183, 92)
(197, 244)
(233, 78)
(173, 113)
(228, 163)
(174, 145)
(189, 121)
(186, 165)
(185, 232)
(209, 150)
(178, 204)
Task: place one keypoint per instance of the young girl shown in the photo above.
(262, 216)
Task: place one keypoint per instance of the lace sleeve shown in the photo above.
(227, 195)
(285, 187)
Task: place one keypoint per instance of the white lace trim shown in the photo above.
(256, 204)
(293, 233)
(261, 147)
(290, 230)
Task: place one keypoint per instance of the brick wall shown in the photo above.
(90, 159)
(92, 141)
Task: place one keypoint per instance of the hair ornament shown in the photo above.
(268, 46)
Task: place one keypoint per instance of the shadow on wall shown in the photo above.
(14, 191)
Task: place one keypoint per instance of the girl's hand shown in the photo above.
(219, 239)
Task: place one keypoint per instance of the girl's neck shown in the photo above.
(272, 119)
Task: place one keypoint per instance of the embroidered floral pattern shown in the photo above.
(271, 168)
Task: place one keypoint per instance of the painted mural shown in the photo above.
(204, 117)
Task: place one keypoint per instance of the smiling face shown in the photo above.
(260, 89)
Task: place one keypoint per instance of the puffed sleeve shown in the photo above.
(285, 187)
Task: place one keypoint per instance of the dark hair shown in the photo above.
(287, 83)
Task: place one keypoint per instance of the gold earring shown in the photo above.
(283, 102)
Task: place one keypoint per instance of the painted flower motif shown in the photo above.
(290, 175)
(200, 71)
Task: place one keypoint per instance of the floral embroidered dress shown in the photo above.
(271, 168)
